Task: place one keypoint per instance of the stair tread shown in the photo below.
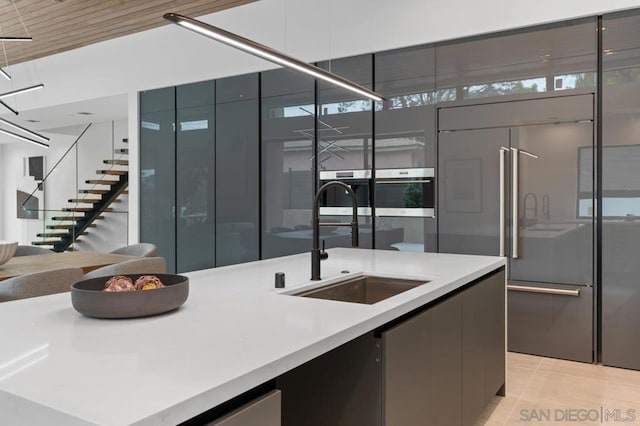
(85, 200)
(72, 218)
(57, 234)
(69, 226)
(112, 172)
(94, 191)
(89, 200)
(117, 162)
(84, 209)
(101, 181)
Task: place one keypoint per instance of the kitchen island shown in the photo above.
(234, 333)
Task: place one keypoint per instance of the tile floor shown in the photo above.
(557, 392)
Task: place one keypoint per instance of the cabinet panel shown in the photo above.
(446, 360)
(474, 354)
(483, 344)
(339, 388)
(265, 411)
(406, 372)
(551, 325)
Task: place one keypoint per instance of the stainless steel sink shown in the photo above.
(367, 289)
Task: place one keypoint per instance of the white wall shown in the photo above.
(309, 29)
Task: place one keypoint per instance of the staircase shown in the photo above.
(112, 182)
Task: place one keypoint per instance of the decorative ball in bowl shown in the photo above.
(101, 298)
(7, 250)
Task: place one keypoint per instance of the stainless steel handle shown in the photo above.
(404, 181)
(515, 162)
(544, 290)
(502, 153)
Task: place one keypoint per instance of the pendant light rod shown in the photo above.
(9, 108)
(268, 54)
(24, 138)
(27, 131)
(19, 91)
(5, 74)
(15, 38)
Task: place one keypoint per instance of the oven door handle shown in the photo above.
(403, 181)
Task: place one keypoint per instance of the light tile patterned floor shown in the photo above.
(551, 391)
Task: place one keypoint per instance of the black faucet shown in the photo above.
(316, 254)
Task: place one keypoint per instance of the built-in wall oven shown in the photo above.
(336, 202)
(405, 192)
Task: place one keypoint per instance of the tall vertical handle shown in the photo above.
(515, 184)
(502, 152)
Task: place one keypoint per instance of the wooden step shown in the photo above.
(69, 226)
(85, 200)
(89, 200)
(112, 172)
(122, 151)
(84, 209)
(101, 181)
(93, 191)
(45, 243)
(72, 218)
(117, 162)
(57, 234)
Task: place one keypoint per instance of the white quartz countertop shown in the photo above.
(236, 331)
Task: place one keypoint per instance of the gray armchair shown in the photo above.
(39, 284)
(145, 265)
(140, 250)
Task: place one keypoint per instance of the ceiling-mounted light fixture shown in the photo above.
(9, 108)
(24, 138)
(19, 127)
(5, 74)
(268, 54)
(19, 91)
(15, 38)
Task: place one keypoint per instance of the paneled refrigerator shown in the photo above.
(515, 179)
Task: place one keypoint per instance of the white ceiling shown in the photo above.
(58, 119)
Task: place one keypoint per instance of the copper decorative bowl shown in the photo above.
(88, 298)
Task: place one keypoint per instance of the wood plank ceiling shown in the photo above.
(60, 25)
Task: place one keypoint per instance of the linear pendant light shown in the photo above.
(9, 108)
(24, 138)
(19, 127)
(268, 54)
(19, 91)
(15, 38)
(5, 74)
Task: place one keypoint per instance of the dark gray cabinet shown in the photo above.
(440, 366)
(263, 411)
(339, 388)
(444, 365)
(483, 341)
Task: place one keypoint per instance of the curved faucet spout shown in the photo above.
(315, 251)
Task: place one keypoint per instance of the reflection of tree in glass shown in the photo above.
(627, 75)
(412, 195)
(499, 89)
